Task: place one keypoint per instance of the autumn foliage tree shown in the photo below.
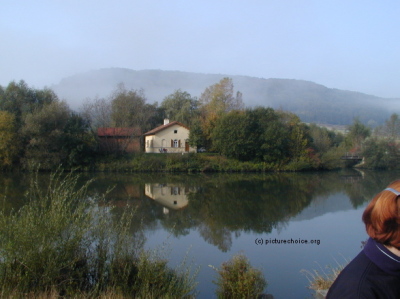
(214, 102)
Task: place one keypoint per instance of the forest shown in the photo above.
(37, 129)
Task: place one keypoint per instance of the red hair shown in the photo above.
(382, 216)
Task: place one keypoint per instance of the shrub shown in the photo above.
(238, 279)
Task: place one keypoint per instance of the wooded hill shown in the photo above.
(310, 101)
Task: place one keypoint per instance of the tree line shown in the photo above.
(36, 127)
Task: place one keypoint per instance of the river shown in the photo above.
(284, 223)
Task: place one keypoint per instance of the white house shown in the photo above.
(171, 137)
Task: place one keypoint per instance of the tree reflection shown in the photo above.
(222, 206)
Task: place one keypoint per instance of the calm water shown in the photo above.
(213, 217)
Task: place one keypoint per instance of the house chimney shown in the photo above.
(166, 121)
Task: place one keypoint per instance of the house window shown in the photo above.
(176, 143)
(175, 131)
(147, 143)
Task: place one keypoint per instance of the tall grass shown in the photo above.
(62, 243)
(322, 279)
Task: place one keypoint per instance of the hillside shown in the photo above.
(311, 101)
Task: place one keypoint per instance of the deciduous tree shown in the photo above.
(215, 101)
(357, 133)
(55, 136)
(129, 109)
(180, 106)
(19, 99)
(237, 135)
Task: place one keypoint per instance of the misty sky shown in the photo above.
(343, 44)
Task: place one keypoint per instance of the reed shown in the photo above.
(322, 279)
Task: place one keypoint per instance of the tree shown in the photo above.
(19, 99)
(8, 139)
(274, 135)
(320, 138)
(55, 135)
(260, 134)
(358, 132)
(381, 153)
(129, 109)
(214, 102)
(298, 139)
(220, 97)
(236, 135)
(392, 127)
(98, 113)
(180, 106)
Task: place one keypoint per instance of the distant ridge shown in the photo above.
(312, 102)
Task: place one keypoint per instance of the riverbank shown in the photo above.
(190, 163)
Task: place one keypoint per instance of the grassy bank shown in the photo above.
(202, 162)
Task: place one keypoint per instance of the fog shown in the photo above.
(350, 46)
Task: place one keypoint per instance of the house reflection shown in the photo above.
(169, 196)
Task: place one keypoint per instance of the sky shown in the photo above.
(352, 45)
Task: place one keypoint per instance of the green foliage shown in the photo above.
(381, 153)
(238, 279)
(45, 243)
(236, 136)
(358, 132)
(196, 135)
(391, 128)
(180, 106)
(62, 242)
(321, 138)
(19, 100)
(261, 134)
(215, 101)
(156, 280)
(55, 136)
(129, 109)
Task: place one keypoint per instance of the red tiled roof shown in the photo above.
(118, 132)
(162, 127)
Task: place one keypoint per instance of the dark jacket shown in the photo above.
(373, 273)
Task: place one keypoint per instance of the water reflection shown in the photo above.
(223, 206)
(221, 213)
(173, 197)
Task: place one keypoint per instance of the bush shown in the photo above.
(238, 279)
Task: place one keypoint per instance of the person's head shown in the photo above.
(382, 216)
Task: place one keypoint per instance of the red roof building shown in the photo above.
(119, 139)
